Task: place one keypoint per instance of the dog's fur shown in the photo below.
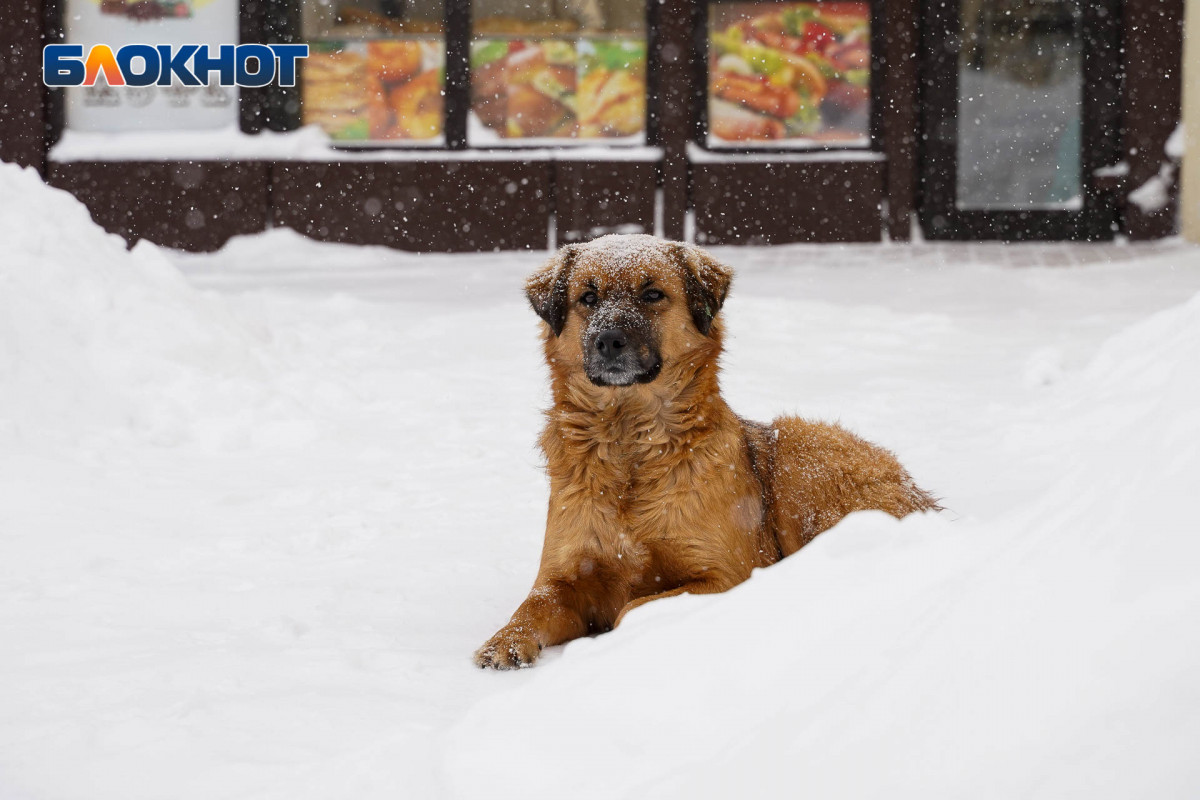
(656, 487)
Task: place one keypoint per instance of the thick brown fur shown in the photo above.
(657, 488)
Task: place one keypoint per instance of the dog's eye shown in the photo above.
(652, 296)
(589, 298)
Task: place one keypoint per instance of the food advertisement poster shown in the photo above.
(383, 90)
(151, 9)
(527, 90)
(789, 74)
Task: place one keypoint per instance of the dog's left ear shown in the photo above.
(706, 282)
(547, 288)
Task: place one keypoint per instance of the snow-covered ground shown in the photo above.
(254, 521)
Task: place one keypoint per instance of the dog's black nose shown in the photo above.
(611, 343)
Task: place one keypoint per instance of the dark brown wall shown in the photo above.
(21, 90)
(1153, 88)
(190, 206)
(592, 198)
(429, 206)
(778, 203)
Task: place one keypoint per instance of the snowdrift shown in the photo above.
(97, 341)
(264, 624)
(1049, 653)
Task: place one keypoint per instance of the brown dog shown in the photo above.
(656, 487)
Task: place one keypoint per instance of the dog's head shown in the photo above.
(620, 308)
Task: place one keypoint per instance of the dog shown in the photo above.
(657, 488)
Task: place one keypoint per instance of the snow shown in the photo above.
(1117, 170)
(715, 144)
(309, 143)
(258, 508)
(480, 135)
(1176, 144)
(95, 340)
(1154, 194)
(700, 155)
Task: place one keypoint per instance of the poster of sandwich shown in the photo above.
(789, 74)
(383, 90)
(536, 91)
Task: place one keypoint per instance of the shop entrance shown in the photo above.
(1021, 104)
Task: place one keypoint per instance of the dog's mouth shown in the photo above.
(620, 354)
(623, 375)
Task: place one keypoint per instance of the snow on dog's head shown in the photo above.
(623, 310)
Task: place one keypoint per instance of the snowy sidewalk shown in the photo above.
(251, 535)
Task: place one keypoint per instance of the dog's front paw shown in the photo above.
(512, 647)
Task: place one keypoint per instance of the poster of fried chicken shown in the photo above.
(612, 88)
(382, 90)
(559, 89)
(789, 74)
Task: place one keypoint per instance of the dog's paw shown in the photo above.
(511, 648)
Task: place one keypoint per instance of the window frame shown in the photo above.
(938, 211)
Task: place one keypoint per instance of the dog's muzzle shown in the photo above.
(619, 357)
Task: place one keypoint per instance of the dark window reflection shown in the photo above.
(1020, 103)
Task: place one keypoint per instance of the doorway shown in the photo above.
(1021, 107)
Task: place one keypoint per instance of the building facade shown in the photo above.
(458, 125)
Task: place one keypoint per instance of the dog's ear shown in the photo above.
(706, 282)
(547, 288)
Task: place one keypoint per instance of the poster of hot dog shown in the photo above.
(557, 90)
(789, 74)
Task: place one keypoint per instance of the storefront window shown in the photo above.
(789, 74)
(376, 71)
(557, 72)
(101, 107)
(1020, 105)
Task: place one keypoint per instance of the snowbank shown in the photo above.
(237, 560)
(309, 143)
(97, 341)
(1048, 653)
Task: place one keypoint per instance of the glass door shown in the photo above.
(1021, 108)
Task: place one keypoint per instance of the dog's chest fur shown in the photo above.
(637, 484)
